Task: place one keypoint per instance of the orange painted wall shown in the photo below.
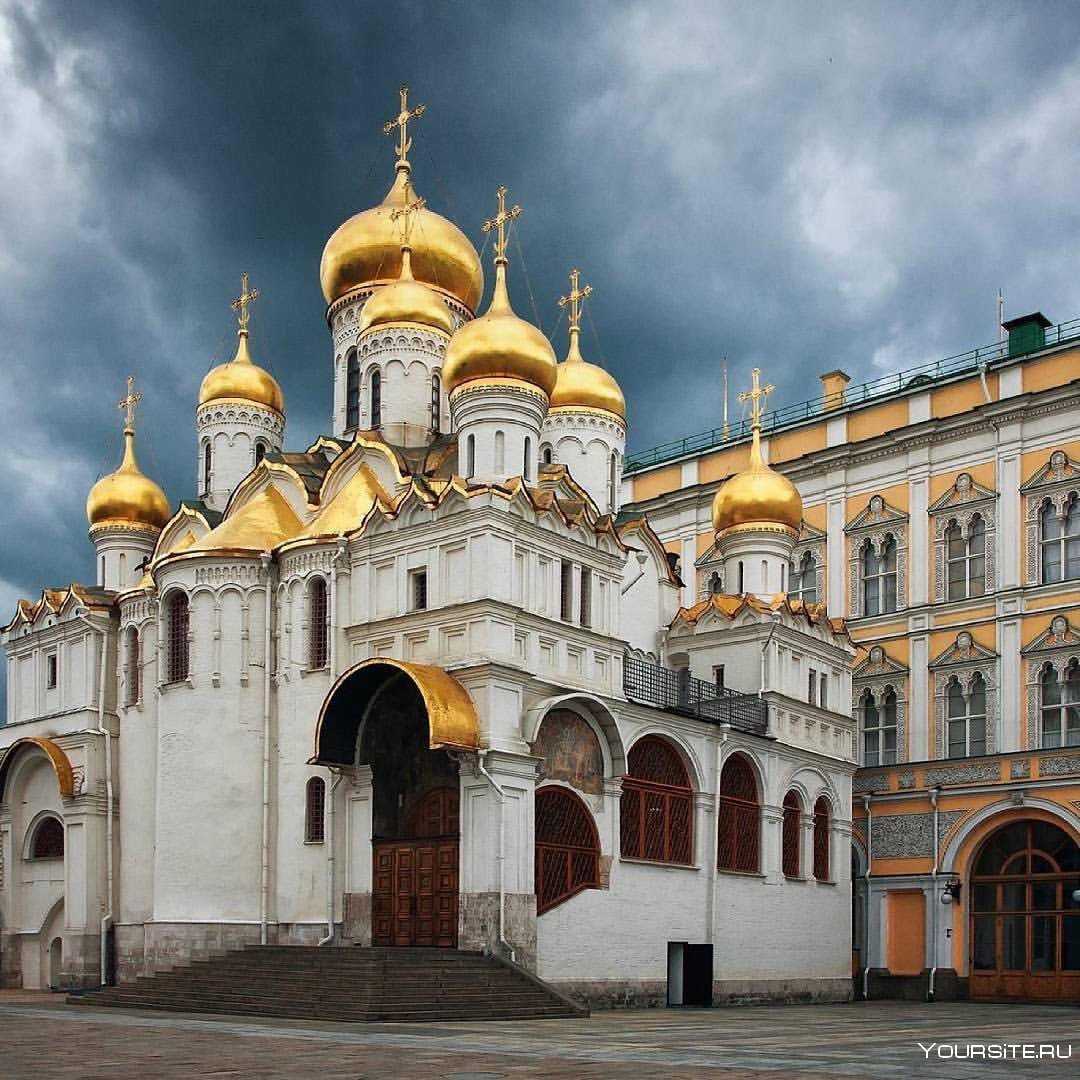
(1052, 371)
(1064, 599)
(1034, 460)
(657, 482)
(983, 633)
(704, 542)
(876, 420)
(793, 444)
(905, 941)
(722, 464)
(960, 618)
(961, 396)
(818, 516)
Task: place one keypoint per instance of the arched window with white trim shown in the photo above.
(352, 390)
(376, 398)
(567, 847)
(656, 809)
(803, 578)
(315, 811)
(318, 638)
(738, 848)
(822, 837)
(177, 643)
(879, 577)
(1060, 540)
(1060, 706)
(792, 835)
(436, 403)
(47, 841)
(965, 558)
(132, 667)
(966, 717)
(878, 721)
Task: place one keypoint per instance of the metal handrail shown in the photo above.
(859, 394)
(678, 692)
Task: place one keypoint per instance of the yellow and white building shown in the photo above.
(942, 520)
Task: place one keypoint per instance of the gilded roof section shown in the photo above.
(348, 509)
(61, 765)
(259, 525)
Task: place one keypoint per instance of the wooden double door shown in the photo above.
(415, 893)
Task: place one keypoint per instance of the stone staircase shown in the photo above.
(345, 984)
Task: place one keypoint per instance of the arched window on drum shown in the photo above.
(567, 847)
(656, 811)
(738, 846)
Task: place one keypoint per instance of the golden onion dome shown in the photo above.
(500, 345)
(406, 301)
(127, 496)
(582, 385)
(757, 496)
(242, 378)
(366, 249)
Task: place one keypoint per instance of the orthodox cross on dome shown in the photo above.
(401, 124)
(247, 297)
(757, 397)
(128, 403)
(575, 299)
(405, 212)
(500, 221)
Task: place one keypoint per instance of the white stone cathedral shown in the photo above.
(425, 682)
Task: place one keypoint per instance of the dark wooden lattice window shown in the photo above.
(739, 839)
(792, 829)
(315, 816)
(821, 839)
(134, 671)
(178, 651)
(48, 841)
(317, 636)
(656, 810)
(567, 848)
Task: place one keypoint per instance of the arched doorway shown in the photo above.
(403, 722)
(56, 963)
(1024, 921)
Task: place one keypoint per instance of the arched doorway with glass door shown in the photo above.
(1024, 901)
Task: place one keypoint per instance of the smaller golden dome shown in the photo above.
(406, 301)
(757, 496)
(500, 345)
(127, 497)
(242, 378)
(582, 385)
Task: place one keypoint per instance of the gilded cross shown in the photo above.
(756, 397)
(575, 299)
(500, 221)
(401, 123)
(404, 212)
(128, 403)
(244, 300)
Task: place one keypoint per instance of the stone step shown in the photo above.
(343, 983)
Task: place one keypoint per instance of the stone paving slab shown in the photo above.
(43, 1038)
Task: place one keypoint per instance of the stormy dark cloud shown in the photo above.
(798, 186)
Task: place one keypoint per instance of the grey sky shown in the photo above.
(800, 186)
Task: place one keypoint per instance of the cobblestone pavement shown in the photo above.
(43, 1038)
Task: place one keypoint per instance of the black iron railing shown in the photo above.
(679, 692)
(857, 394)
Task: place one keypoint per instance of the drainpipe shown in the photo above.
(264, 869)
(866, 878)
(501, 796)
(335, 775)
(934, 793)
(103, 731)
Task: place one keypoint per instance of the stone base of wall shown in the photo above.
(883, 985)
(80, 964)
(652, 993)
(152, 947)
(478, 925)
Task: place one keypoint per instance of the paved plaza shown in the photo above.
(43, 1038)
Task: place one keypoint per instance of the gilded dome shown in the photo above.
(406, 301)
(127, 497)
(367, 248)
(582, 385)
(241, 378)
(500, 345)
(757, 496)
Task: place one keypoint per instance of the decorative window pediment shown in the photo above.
(878, 664)
(1052, 521)
(965, 695)
(964, 492)
(806, 575)
(878, 513)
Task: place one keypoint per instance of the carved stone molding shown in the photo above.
(908, 836)
(1057, 646)
(879, 673)
(962, 503)
(1055, 482)
(963, 660)
(872, 528)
